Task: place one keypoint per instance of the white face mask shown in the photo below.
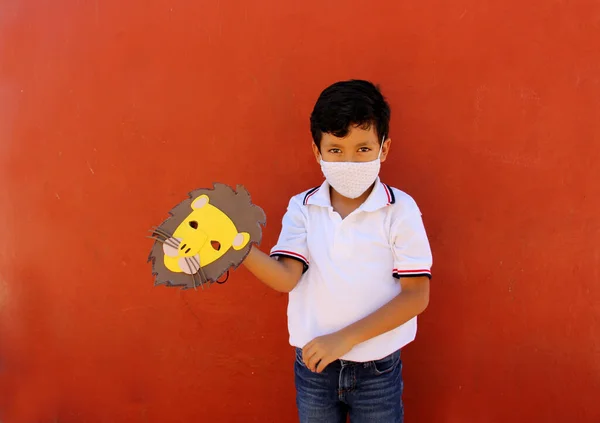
(352, 179)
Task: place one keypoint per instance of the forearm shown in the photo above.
(281, 275)
(412, 301)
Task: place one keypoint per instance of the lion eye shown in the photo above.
(216, 245)
(194, 224)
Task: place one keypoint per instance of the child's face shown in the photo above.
(358, 146)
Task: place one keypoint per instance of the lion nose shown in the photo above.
(185, 249)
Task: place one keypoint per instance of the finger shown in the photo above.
(308, 346)
(325, 361)
(314, 359)
(306, 355)
(307, 352)
(310, 359)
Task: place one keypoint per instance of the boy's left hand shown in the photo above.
(323, 350)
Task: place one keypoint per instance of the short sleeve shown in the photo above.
(292, 239)
(410, 245)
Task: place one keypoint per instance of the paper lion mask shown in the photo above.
(207, 234)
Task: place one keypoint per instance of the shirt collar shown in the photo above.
(381, 196)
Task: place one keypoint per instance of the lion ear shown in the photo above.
(240, 240)
(200, 202)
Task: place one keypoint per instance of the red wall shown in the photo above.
(111, 111)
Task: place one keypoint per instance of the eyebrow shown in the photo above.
(360, 144)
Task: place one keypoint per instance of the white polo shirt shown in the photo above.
(352, 265)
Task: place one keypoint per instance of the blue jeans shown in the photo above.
(369, 392)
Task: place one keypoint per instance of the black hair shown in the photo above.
(345, 103)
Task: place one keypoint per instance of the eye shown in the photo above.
(215, 244)
(194, 224)
(364, 149)
(335, 150)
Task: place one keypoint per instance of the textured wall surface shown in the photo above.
(111, 111)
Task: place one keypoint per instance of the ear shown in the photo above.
(316, 152)
(385, 149)
(240, 240)
(200, 202)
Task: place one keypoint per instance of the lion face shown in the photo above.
(207, 234)
(203, 237)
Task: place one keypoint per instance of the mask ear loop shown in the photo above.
(381, 147)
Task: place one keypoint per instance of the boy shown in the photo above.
(355, 259)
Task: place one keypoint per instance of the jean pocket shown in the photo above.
(386, 364)
(299, 358)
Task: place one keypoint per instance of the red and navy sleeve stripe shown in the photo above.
(292, 255)
(411, 273)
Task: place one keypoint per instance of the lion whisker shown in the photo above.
(200, 271)
(197, 262)
(158, 228)
(175, 243)
(191, 273)
(164, 233)
(156, 238)
(155, 233)
(163, 241)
